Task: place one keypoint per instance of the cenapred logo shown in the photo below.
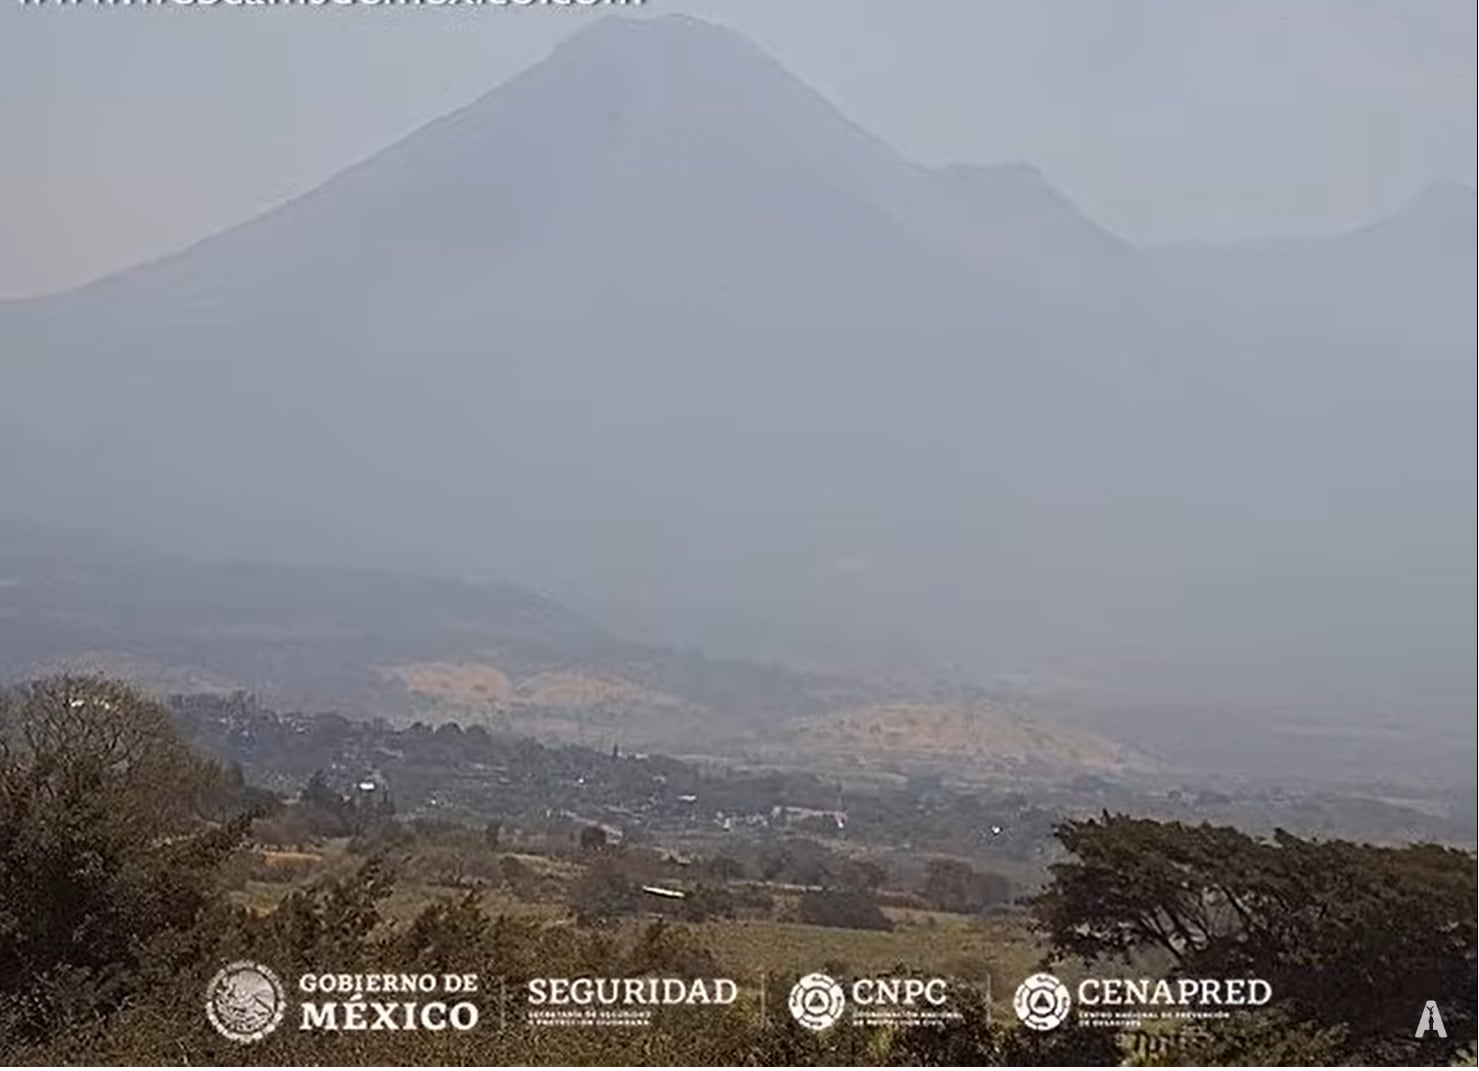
(245, 1002)
(1042, 1002)
(816, 1001)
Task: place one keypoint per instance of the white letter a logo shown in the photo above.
(1431, 1020)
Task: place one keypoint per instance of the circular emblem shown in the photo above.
(245, 1001)
(816, 1002)
(1041, 1002)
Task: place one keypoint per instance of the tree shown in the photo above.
(1352, 938)
(329, 813)
(851, 909)
(725, 868)
(978, 1041)
(708, 902)
(951, 885)
(317, 793)
(774, 863)
(103, 847)
(864, 874)
(604, 892)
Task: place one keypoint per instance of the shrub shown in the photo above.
(850, 909)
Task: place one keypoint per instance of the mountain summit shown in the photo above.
(656, 329)
(628, 130)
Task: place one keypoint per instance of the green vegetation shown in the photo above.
(107, 851)
(1352, 938)
(132, 869)
(951, 885)
(849, 909)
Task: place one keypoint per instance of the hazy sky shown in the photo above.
(131, 131)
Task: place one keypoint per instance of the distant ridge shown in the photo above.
(655, 329)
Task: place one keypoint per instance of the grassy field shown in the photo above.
(997, 953)
(993, 952)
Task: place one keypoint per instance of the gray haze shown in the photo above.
(655, 329)
(134, 132)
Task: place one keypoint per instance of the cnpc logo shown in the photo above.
(818, 1001)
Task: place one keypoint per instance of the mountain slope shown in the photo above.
(384, 645)
(652, 327)
(505, 330)
(975, 736)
